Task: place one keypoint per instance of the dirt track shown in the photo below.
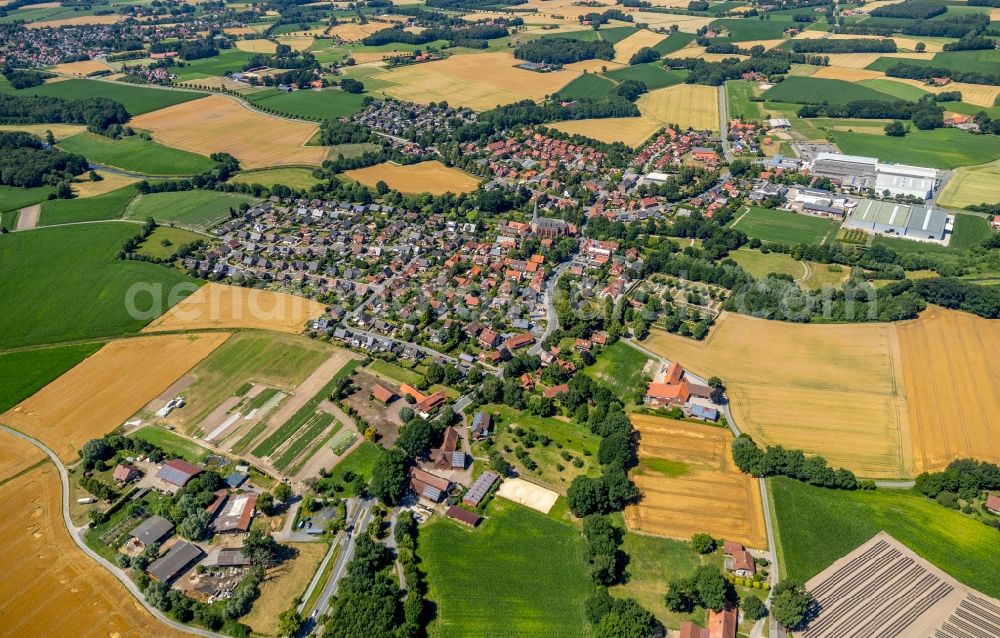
(28, 217)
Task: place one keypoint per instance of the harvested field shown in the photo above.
(67, 22)
(59, 131)
(862, 60)
(50, 588)
(297, 42)
(220, 306)
(16, 455)
(352, 31)
(97, 395)
(971, 185)
(256, 46)
(978, 94)
(110, 182)
(426, 177)
(528, 494)
(218, 123)
(594, 66)
(625, 49)
(80, 68)
(952, 378)
(834, 390)
(855, 74)
(479, 81)
(367, 57)
(282, 584)
(631, 131)
(711, 494)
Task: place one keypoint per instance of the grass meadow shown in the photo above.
(296, 178)
(786, 227)
(198, 209)
(738, 94)
(806, 90)
(674, 42)
(327, 104)
(589, 85)
(24, 373)
(164, 241)
(816, 526)
(652, 75)
(620, 367)
(16, 198)
(520, 573)
(86, 286)
(137, 155)
(136, 99)
(940, 148)
(172, 444)
(66, 211)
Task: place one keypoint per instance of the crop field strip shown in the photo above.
(305, 440)
(431, 177)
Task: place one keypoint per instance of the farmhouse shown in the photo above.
(993, 504)
(125, 473)
(425, 406)
(428, 486)
(236, 514)
(721, 624)
(463, 516)
(448, 457)
(152, 530)
(739, 560)
(482, 423)
(172, 564)
(904, 220)
(177, 472)
(480, 488)
(661, 394)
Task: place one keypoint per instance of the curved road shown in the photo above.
(117, 573)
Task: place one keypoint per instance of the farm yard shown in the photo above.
(426, 177)
(698, 490)
(833, 390)
(50, 587)
(100, 393)
(488, 582)
(220, 306)
(219, 123)
(478, 81)
(950, 375)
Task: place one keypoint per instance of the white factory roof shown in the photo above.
(840, 157)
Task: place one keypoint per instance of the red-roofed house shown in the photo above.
(383, 394)
(674, 373)
(519, 341)
(125, 473)
(739, 560)
(554, 391)
(993, 504)
(721, 624)
(424, 407)
(659, 394)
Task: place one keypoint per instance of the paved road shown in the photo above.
(551, 318)
(357, 524)
(74, 533)
(428, 351)
(724, 123)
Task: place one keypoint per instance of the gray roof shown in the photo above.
(431, 493)
(458, 460)
(481, 487)
(178, 472)
(171, 564)
(152, 530)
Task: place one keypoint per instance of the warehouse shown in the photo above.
(853, 172)
(903, 220)
(912, 181)
(856, 173)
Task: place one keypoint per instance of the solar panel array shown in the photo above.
(481, 487)
(975, 617)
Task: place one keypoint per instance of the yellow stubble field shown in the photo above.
(479, 81)
(425, 177)
(625, 49)
(352, 31)
(215, 306)
(80, 68)
(708, 493)
(110, 182)
(952, 378)
(258, 45)
(220, 123)
(69, 22)
(50, 587)
(833, 390)
(971, 185)
(104, 390)
(16, 455)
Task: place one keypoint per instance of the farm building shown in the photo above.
(855, 172)
(661, 394)
(480, 488)
(172, 564)
(427, 485)
(231, 557)
(721, 624)
(177, 472)
(482, 424)
(463, 516)
(235, 516)
(236, 479)
(739, 560)
(904, 220)
(382, 394)
(883, 588)
(704, 413)
(425, 406)
(152, 530)
(125, 473)
(448, 456)
(993, 503)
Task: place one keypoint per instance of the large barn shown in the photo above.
(903, 220)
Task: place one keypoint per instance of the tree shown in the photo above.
(389, 476)
(381, 187)
(95, 451)
(703, 543)
(895, 129)
(282, 492)
(790, 603)
(587, 496)
(713, 589)
(629, 620)
(195, 525)
(289, 622)
(920, 47)
(416, 438)
(682, 596)
(265, 502)
(260, 549)
(753, 608)
(63, 191)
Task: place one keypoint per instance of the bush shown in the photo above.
(703, 543)
(753, 608)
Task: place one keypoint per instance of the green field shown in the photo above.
(38, 14)
(197, 209)
(295, 178)
(786, 227)
(393, 372)
(807, 90)
(652, 75)
(87, 209)
(895, 89)
(939, 148)
(24, 373)
(615, 35)
(85, 286)
(327, 104)
(749, 29)
(588, 85)
(154, 245)
(816, 526)
(760, 265)
(136, 155)
(738, 94)
(315, 427)
(228, 61)
(16, 198)
(520, 573)
(136, 99)
(246, 439)
(172, 443)
(620, 367)
(361, 461)
(674, 42)
(282, 361)
(984, 61)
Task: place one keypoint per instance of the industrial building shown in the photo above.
(904, 220)
(856, 173)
